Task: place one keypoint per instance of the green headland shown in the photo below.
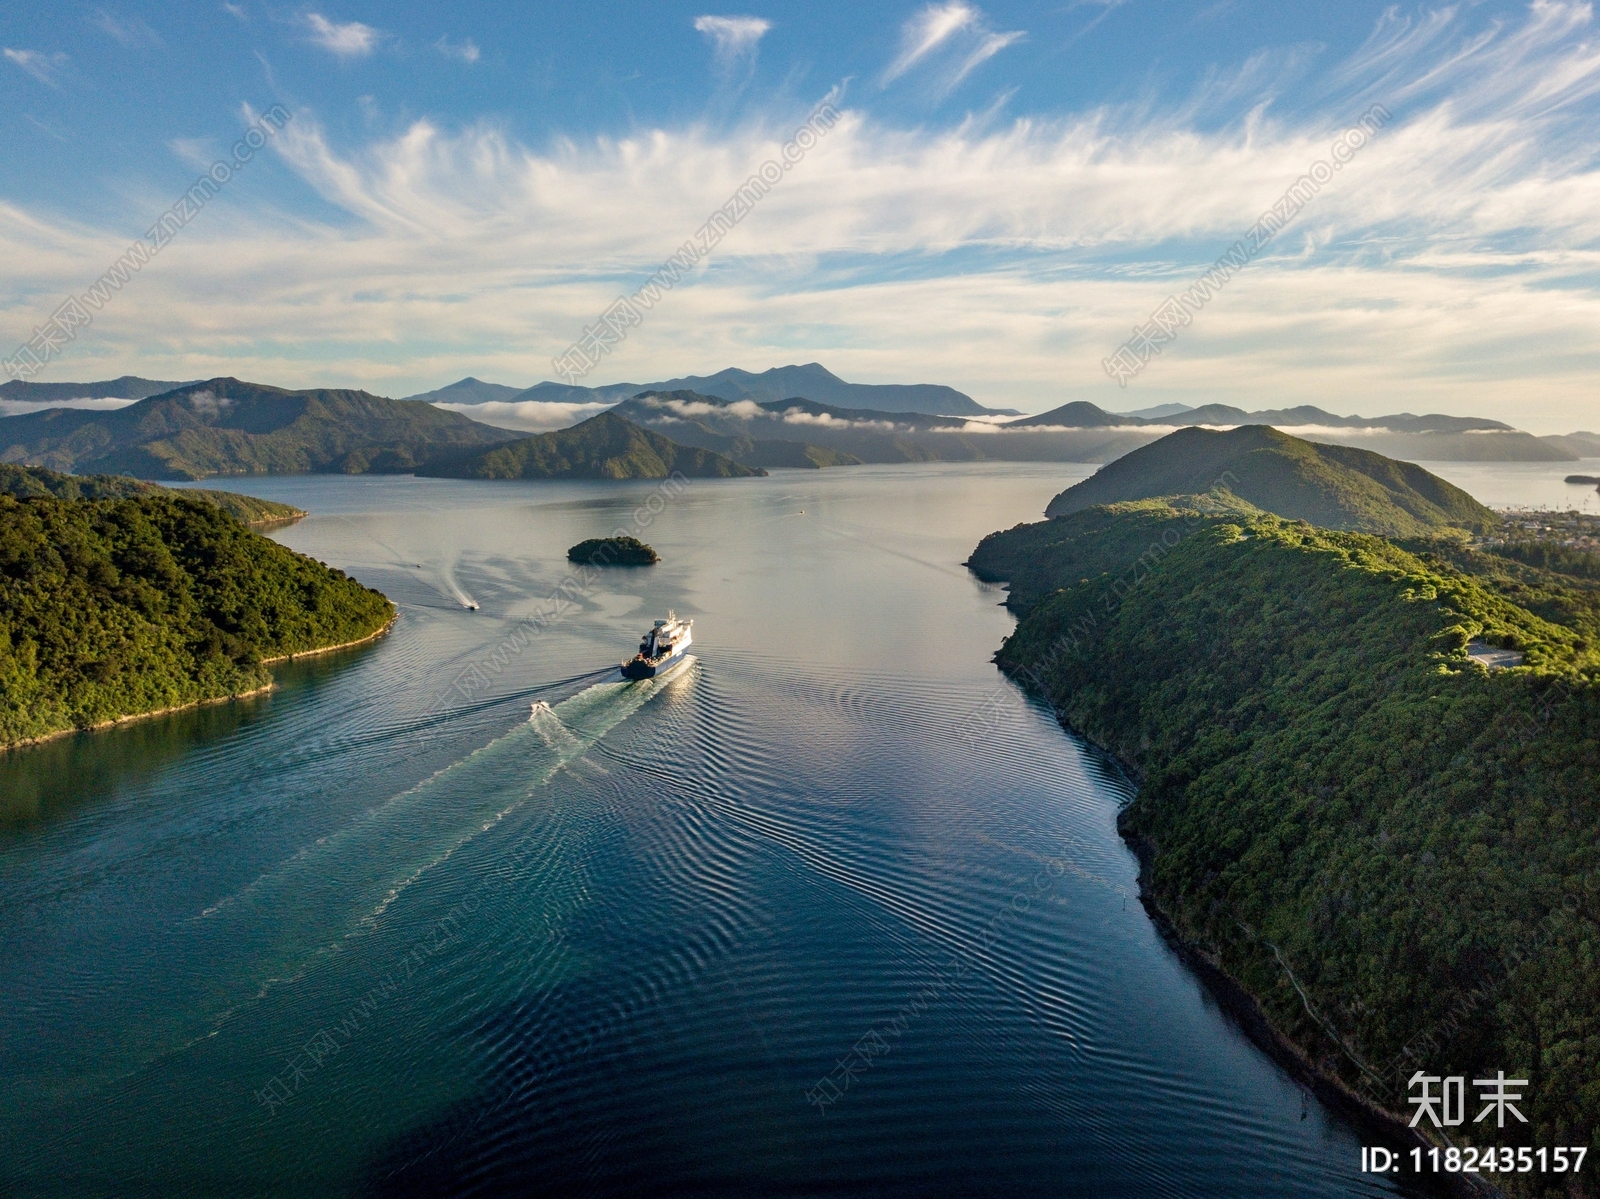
(30, 482)
(119, 607)
(1393, 849)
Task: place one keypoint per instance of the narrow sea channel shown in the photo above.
(791, 921)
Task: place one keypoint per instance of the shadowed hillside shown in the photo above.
(602, 447)
(226, 427)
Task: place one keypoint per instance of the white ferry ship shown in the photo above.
(660, 649)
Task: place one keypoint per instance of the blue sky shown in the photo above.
(1009, 190)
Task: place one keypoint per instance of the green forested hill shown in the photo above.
(1333, 486)
(1392, 848)
(1036, 559)
(115, 607)
(228, 427)
(602, 447)
(26, 482)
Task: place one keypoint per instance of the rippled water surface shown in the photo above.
(380, 933)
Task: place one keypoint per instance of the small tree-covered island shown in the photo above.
(1370, 826)
(147, 601)
(613, 551)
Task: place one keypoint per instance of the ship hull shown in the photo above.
(649, 670)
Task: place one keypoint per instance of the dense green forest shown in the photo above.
(1551, 555)
(602, 447)
(27, 482)
(1392, 848)
(115, 607)
(1334, 486)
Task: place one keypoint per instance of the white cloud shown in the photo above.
(234, 10)
(208, 404)
(351, 39)
(24, 407)
(927, 31)
(527, 416)
(826, 420)
(955, 35)
(734, 38)
(1453, 264)
(43, 67)
(466, 50)
(688, 409)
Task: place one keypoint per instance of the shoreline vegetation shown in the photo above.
(132, 717)
(31, 482)
(297, 655)
(1246, 1011)
(1391, 851)
(119, 608)
(265, 689)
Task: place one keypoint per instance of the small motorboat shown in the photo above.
(539, 706)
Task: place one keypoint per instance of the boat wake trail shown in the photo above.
(343, 884)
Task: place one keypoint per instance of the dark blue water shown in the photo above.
(788, 921)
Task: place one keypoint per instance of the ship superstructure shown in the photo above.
(660, 649)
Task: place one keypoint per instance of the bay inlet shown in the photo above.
(835, 908)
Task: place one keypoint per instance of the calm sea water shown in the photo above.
(1525, 484)
(781, 923)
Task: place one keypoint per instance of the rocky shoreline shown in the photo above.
(1245, 1010)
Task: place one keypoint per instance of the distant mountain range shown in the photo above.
(1579, 445)
(1081, 413)
(603, 447)
(813, 381)
(794, 432)
(128, 387)
(1333, 486)
(677, 414)
(471, 391)
(227, 427)
(1161, 410)
(1433, 437)
(1078, 432)
(778, 418)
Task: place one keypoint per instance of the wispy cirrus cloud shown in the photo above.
(197, 152)
(349, 39)
(1454, 262)
(129, 32)
(43, 67)
(734, 39)
(952, 38)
